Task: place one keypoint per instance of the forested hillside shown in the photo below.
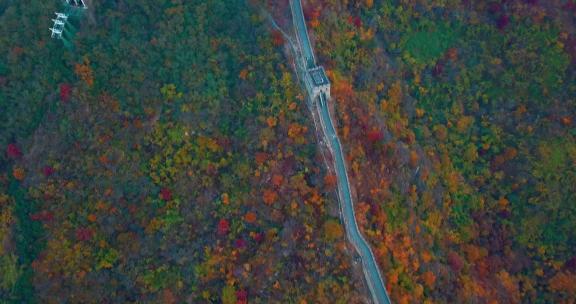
(458, 122)
(164, 152)
(162, 155)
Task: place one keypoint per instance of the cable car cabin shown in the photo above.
(76, 3)
(317, 82)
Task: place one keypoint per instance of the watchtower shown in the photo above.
(317, 82)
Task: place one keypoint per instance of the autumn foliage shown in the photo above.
(269, 196)
(277, 38)
(84, 72)
(65, 91)
(172, 159)
(250, 217)
(19, 173)
(165, 194)
(166, 153)
(12, 151)
(223, 227)
(84, 234)
(453, 198)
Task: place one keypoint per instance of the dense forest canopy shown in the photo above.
(163, 152)
(458, 120)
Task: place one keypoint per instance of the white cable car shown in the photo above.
(77, 3)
